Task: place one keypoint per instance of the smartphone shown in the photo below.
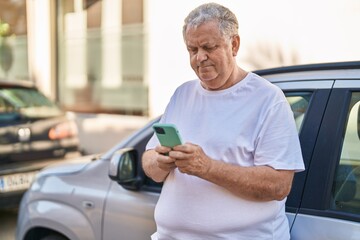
(167, 134)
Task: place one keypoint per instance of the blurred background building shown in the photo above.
(127, 56)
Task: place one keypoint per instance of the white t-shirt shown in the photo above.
(248, 124)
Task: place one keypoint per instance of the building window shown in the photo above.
(13, 40)
(101, 56)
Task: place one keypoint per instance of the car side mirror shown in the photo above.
(124, 170)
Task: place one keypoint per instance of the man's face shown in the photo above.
(211, 55)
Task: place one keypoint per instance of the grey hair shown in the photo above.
(228, 24)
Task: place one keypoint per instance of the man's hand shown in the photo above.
(157, 163)
(164, 161)
(191, 159)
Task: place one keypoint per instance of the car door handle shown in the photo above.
(87, 204)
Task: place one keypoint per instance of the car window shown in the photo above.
(346, 185)
(299, 103)
(5, 107)
(29, 102)
(7, 112)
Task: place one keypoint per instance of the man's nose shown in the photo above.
(201, 56)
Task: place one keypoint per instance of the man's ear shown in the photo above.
(235, 43)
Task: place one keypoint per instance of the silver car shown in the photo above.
(109, 197)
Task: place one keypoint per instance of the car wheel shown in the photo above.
(54, 236)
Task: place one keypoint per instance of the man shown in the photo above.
(231, 177)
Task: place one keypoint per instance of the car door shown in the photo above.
(330, 208)
(129, 214)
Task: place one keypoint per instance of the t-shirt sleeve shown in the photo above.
(278, 143)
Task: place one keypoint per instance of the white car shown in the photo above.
(79, 201)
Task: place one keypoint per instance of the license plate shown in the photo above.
(16, 182)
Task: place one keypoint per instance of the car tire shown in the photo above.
(54, 236)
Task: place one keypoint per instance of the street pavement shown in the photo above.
(8, 220)
(100, 132)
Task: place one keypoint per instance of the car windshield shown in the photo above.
(29, 102)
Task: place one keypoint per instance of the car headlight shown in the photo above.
(63, 130)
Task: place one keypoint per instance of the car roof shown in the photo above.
(16, 83)
(320, 71)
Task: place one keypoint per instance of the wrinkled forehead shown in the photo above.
(197, 26)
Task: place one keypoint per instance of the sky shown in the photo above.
(314, 30)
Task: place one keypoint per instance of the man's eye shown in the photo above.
(209, 49)
(192, 50)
